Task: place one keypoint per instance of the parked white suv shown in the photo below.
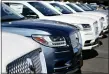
(105, 16)
(42, 10)
(62, 7)
(21, 54)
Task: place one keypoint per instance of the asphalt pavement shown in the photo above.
(96, 60)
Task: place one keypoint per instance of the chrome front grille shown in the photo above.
(29, 63)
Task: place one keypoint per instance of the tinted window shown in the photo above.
(22, 9)
(83, 7)
(74, 8)
(87, 7)
(91, 7)
(44, 9)
(62, 8)
(8, 14)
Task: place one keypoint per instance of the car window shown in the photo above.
(87, 7)
(91, 7)
(9, 14)
(47, 11)
(24, 10)
(61, 8)
(74, 8)
(83, 7)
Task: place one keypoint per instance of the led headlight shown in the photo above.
(83, 26)
(86, 26)
(51, 41)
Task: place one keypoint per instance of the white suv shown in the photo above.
(88, 27)
(61, 6)
(105, 16)
(18, 53)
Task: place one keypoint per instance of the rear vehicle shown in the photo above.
(21, 55)
(105, 16)
(42, 10)
(60, 43)
(66, 10)
(92, 9)
(94, 5)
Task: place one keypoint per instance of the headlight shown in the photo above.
(83, 26)
(102, 19)
(51, 41)
(86, 26)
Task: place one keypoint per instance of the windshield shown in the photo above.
(44, 9)
(62, 8)
(91, 7)
(8, 14)
(74, 7)
(83, 7)
(88, 7)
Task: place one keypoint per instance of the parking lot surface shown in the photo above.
(96, 60)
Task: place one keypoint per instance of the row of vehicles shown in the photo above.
(49, 36)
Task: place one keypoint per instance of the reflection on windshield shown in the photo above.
(74, 8)
(87, 7)
(83, 7)
(44, 9)
(90, 6)
(62, 8)
(8, 14)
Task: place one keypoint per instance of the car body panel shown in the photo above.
(74, 20)
(15, 46)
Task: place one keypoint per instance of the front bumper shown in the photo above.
(106, 30)
(72, 69)
(105, 24)
(92, 45)
(88, 40)
(75, 69)
(103, 33)
(62, 60)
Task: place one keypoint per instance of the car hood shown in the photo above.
(15, 46)
(44, 25)
(71, 19)
(102, 11)
(95, 13)
(85, 15)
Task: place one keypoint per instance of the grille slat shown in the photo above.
(21, 65)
